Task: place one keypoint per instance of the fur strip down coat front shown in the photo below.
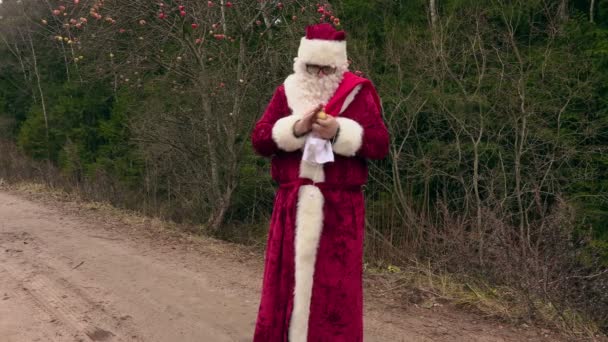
(312, 287)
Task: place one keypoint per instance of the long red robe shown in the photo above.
(328, 218)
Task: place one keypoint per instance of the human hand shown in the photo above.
(304, 125)
(326, 128)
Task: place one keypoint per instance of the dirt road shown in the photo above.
(71, 277)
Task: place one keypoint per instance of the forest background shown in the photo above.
(495, 192)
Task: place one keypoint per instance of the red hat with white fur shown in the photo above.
(323, 45)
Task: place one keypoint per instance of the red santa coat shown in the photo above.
(312, 288)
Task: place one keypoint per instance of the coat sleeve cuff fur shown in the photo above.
(350, 138)
(282, 134)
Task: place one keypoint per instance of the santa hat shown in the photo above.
(323, 45)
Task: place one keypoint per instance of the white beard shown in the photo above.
(305, 91)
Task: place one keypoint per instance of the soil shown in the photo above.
(75, 272)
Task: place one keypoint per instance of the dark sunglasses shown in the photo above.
(314, 69)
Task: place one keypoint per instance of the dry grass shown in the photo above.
(134, 223)
(423, 286)
(45, 193)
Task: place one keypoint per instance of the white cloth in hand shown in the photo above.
(318, 150)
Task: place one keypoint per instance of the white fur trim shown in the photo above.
(282, 134)
(322, 52)
(350, 98)
(350, 137)
(312, 171)
(309, 224)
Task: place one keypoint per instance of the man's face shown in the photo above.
(320, 70)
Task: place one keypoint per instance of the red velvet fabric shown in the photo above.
(349, 82)
(324, 31)
(337, 298)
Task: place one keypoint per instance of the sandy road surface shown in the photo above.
(69, 277)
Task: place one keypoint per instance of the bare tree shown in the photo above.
(220, 55)
(20, 28)
(433, 13)
(563, 10)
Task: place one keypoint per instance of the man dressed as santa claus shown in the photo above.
(320, 127)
